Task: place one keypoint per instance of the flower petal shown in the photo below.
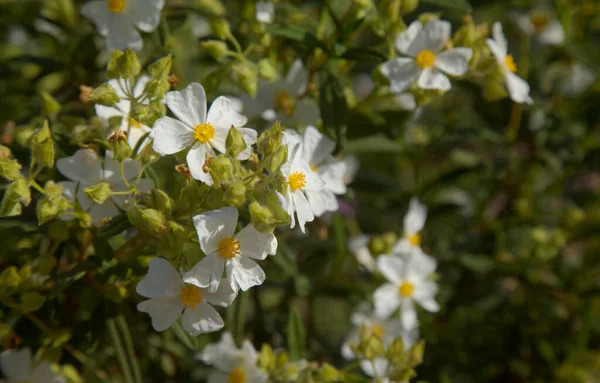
(386, 300)
(402, 72)
(245, 273)
(224, 295)
(84, 166)
(171, 136)
(518, 89)
(201, 319)
(405, 39)
(408, 314)
(302, 208)
(391, 267)
(254, 244)
(316, 146)
(16, 364)
(207, 273)
(147, 14)
(500, 45)
(101, 211)
(425, 296)
(414, 220)
(222, 114)
(189, 105)
(306, 112)
(322, 201)
(334, 173)
(112, 169)
(553, 34)
(433, 37)
(99, 14)
(214, 225)
(162, 280)
(297, 77)
(249, 136)
(43, 373)
(454, 61)
(432, 78)
(122, 34)
(163, 311)
(196, 159)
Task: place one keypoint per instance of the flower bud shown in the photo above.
(42, 147)
(267, 70)
(147, 114)
(49, 105)
(235, 143)
(235, 193)
(9, 168)
(99, 192)
(266, 212)
(407, 6)
(270, 140)
(373, 348)
(149, 220)
(415, 354)
(221, 27)
(53, 190)
(17, 194)
(220, 168)
(123, 64)
(120, 145)
(277, 159)
(173, 238)
(213, 7)
(105, 95)
(216, 49)
(247, 77)
(160, 69)
(160, 201)
(330, 373)
(48, 209)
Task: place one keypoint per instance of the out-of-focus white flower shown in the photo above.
(17, 368)
(196, 128)
(359, 246)
(579, 79)
(428, 61)
(278, 100)
(135, 130)
(265, 12)
(169, 296)
(200, 26)
(414, 220)
(117, 20)
(540, 23)
(518, 89)
(408, 282)
(377, 368)
(300, 178)
(224, 249)
(234, 365)
(86, 168)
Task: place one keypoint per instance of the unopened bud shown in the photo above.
(123, 64)
(9, 168)
(121, 148)
(267, 70)
(247, 77)
(220, 168)
(216, 49)
(17, 194)
(160, 201)
(407, 6)
(235, 143)
(235, 193)
(105, 95)
(270, 140)
(49, 105)
(148, 220)
(221, 27)
(99, 192)
(278, 159)
(42, 147)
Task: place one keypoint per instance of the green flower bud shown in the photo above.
(105, 95)
(52, 190)
(42, 147)
(156, 89)
(17, 194)
(48, 209)
(247, 77)
(49, 105)
(267, 70)
(277, 159)
(402, 374)
(235, 193)
(407, 6)
(270, 140)
(266, 358)
(149, 220)
(373, 348)
(173, 238)
(330, 373)
(235, 143)
(214, 7)
(424, 18)
(120, 145)
(266, 212)
(216, 49)
(494, 90)
(160, 201)
(415, 354)
(99, 192)
(377, 245)
(395, 352)
(123, 64)
(9, 169)
(147, 114)
(160, 70)
(220, 168)
(221, 27)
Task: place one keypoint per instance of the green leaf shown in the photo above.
(460, 5)
(188, 340)
(334, 108)
(586, 52)
(352, 27)
(363, 54)
(296, 33)
(32, 301)
(296, 335)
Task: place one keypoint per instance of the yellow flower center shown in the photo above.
(510, 63)
(115, 6)
(297, 180)
(377, 329)
(540, 22)
(414, 239)
(237, 375)
(204, 132)
(190, 295)
(406, 289)
(134, 123)
(229, 248)
(285, 102)
(425, 59)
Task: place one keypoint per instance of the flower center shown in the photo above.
(510, 63)
(540, 22)
(190, 295)
(284, 102)
(415, 239)
(377, 329)
(204, 132)
(406, 289)
(229, 248)
(425, 59)
(133, 123)
(297, 180)
(237, 375)
(115, 6)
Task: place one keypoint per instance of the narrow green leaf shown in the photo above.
(296, 335)
(189, 341)
(363, 54)
(460, 5)
(334, 108)
(296, 33)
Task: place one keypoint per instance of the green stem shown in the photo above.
(516, 112)
(135, 364)
(114, 334)
(122, 170)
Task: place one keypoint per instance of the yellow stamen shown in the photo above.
(229, 248)
(134, 123)
(378, 330)
(406, 289)
(297, 180)
(115, 6)
(510, 63)
(540, 22)
(237, 375)
(204, 132)
(190, 295)
(285, 102)
(425, 59)
(414, 239)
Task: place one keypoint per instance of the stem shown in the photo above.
(137, 372)
(36, 186)
(121, 168)
(516, 112)
(114, 334)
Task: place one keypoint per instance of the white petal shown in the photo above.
(402, 72)
(312, 180)
(391, 267)
(433, 37)
(265, 12)
(196, 158)
(135, 134)
(99, 14)
(402, 247)
(322, 201)
(147, 14)
(16, 364)
(221, 355)
(316, 146)
(523, 21)
(306, 112)
(288, 205)
(497, 51)
(424, 295)
(351, 164)
(386, 300)
(245, 273)
(408, 314)
(404, 39)
(163, 311)
(162, 280)
(84, 166)
(297, 77)
(359, 247)
(302, 208)
(222, 114)
(104, 210)
(122, 34)
(145, 185)
(578, 80)
(518, 89)
(140, 85)
(249, 136)
(381, 367)
(454, 61)
(206, 273)
(43, 373)
(171, 136)
(189, 105)
(431, 78)
(500, 46)
(254, 244)
(212, 226)
(112, 171)
(201, 319)
(553, 34)
(224, 295)
(334, 174)
(420, 263)
(414, 220)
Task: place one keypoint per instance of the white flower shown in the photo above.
(540, 24)
(265, 12)
(17, 368)
(378, 368)
(414, 220)
(518, 89)
(135, 130)
(117, 20)
(200, 26)
(234, 365)
(170, 296)
(387, 329)
(359, 246)
(278, 100)
(300, 178)
(408, 282)
(87, 169)
(427, 62)
(196, 128)
(579, 79)
(225, 249)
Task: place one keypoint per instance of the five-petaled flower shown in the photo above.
(414, 220)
